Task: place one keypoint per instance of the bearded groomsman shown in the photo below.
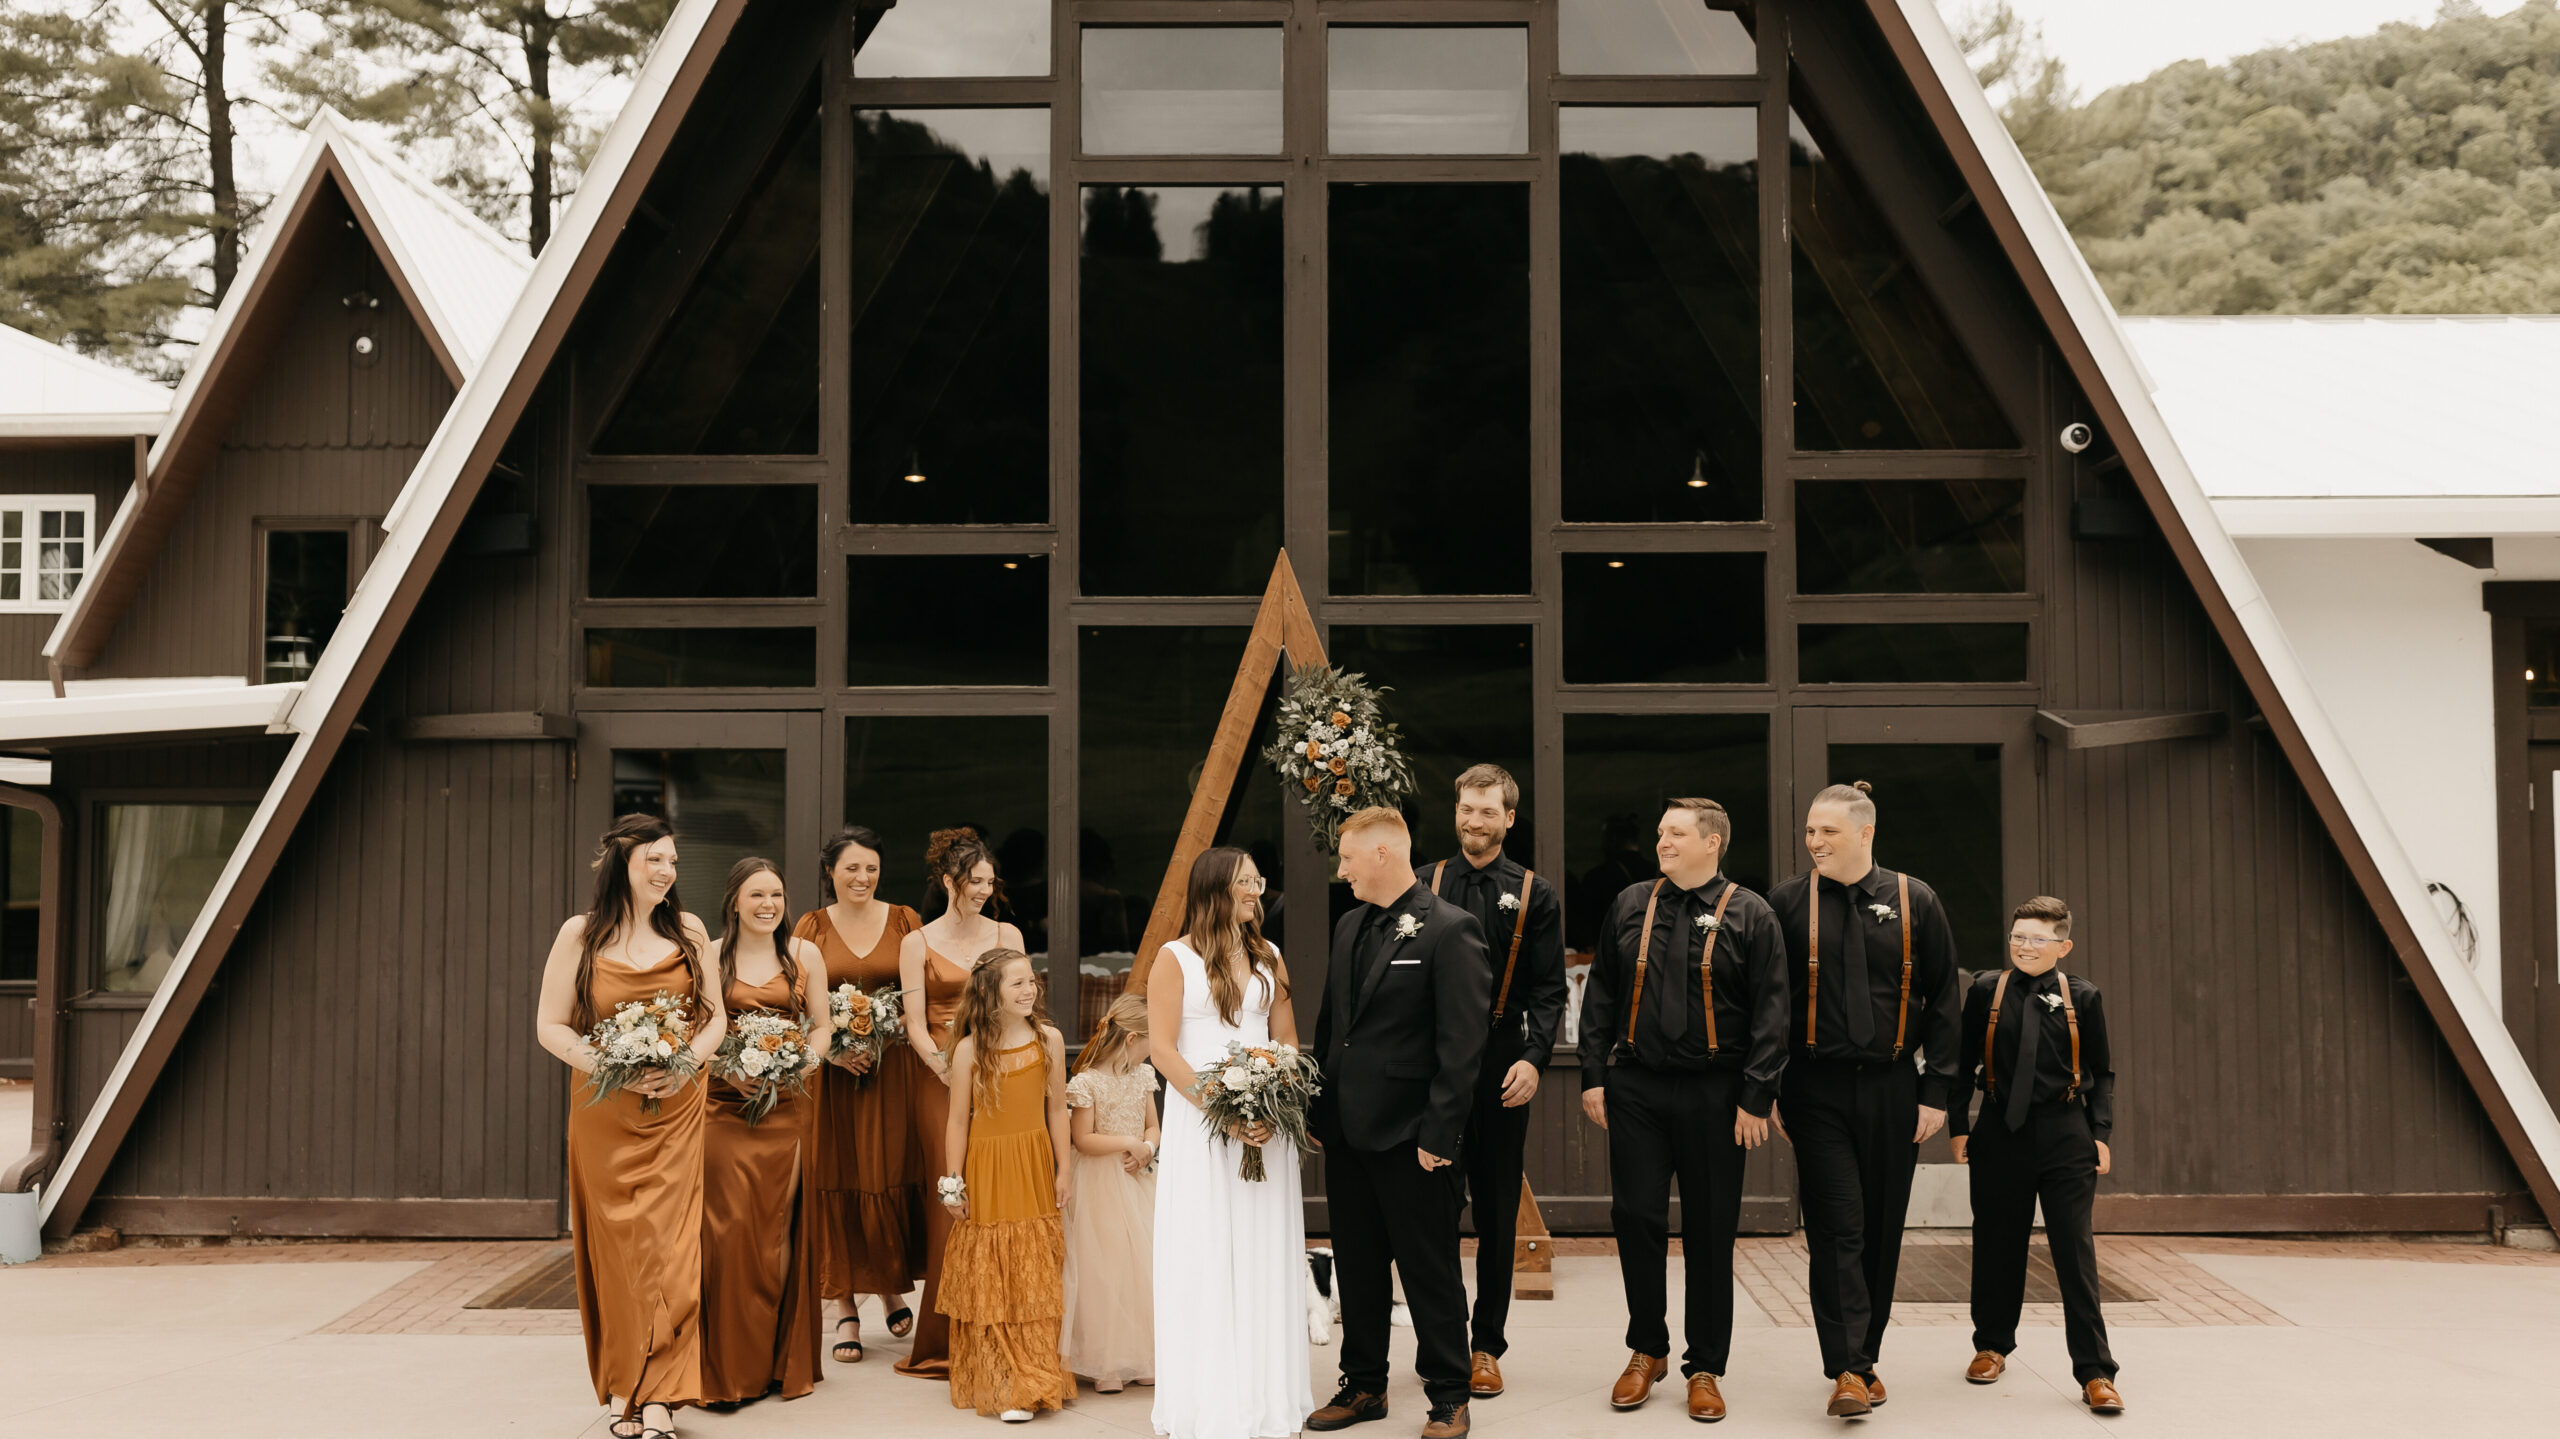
(1684, 1030)
(1523, 925)
(1873, 972)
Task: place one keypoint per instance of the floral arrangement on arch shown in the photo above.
(1336, 747)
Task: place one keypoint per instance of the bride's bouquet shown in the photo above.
(867, 1023)
(767, 1056)
(1269, 1084)
(637, 1039)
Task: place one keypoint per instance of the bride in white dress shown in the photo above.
(1230, 1281)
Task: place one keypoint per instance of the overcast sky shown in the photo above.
(2109, 42)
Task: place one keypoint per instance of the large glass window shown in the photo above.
(1661, 280)
(702, 541)
(157, 864)
(1938, 812)
(1652, 37)
(1462, 696)
(306, 594)
(1198, 90)
(1911, 654)
(1911, 537)
(947, 620)
(762, 658)
(916, 39)
(950, 317)
(725, 804)
(1433, 90)
(1181, 358)
(1665, 619)
(906, 776)
(1618, 771)
(1429, 389)
(21, 892)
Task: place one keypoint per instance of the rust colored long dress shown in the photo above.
(1003, 1280)
(635, 1219)
(759, 1272)
(943, 981)
(872, 1195)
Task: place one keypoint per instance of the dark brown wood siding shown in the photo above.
(103, 470)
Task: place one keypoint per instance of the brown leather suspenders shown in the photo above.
(1644, 946)
(1519, 930)
(1902, 1006)
(1813, 958)
(1991, 1033)
(1706, 963)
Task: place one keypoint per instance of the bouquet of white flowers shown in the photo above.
(639, 1037)
(766, 1055)
(868, 1023)
(1258, 1084)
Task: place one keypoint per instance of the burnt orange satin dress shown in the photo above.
(635, 1218)
(1003, 1280)
(931, 1356)
(759, 1273)
(868, 1223)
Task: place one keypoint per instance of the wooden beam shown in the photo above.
(504, 725)
(2309, 1213)
(1533, 1251)
(2105, 729)
(318, 1218)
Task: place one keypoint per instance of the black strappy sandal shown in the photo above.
(841, 1345)
(902, 1322)
(630, 1418)
(652, 1431)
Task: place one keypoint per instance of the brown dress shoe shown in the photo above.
(1986, 1367)
(1636, 1385)
(1349, 1407)
(1706, 1401)
(1484, 1376)
(1448, 1421)
(2102, 1397)
(1849, 1398)
(1875, 1390)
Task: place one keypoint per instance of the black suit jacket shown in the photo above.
(1399, 1055)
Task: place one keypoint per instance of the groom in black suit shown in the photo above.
(1399, 1039)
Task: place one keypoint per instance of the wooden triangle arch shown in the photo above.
(1282, 628)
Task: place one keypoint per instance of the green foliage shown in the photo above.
(2411, 171)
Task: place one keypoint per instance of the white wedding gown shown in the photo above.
(1231, 1255)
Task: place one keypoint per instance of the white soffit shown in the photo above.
(50, 392)
(184, 708)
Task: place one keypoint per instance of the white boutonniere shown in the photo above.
(1510, 901)
(1882, 912)
(1710, 923)
(2051, 1001)
(1407, 926)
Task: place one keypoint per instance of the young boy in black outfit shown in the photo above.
(2035, 1041)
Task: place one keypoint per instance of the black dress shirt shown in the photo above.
(1874, 904)
(1373, 936)
(1750, 984)
(1535, 1009)
(2027, 1000)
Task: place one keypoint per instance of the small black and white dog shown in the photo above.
(1323, 1307)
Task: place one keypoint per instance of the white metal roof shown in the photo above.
(464, 273)
(187, 706)
(47, 392)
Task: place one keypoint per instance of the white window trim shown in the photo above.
(31, 507)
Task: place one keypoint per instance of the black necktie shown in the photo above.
(2022, 1075)
(1858, 995)
(1373, 943)
(1670, 1007)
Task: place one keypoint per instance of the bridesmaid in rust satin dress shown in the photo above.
(759, 1270)
(868, 1223)
(635, 1178)
(934, 965)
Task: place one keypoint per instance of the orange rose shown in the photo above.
(769, 1043)
(860, 1022)
(1337, 766)
(1266, 1056)
(1315, 751)
(1342, 787)
(1341, 720)
(1209, 1088)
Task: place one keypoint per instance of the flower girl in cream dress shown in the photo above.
(1110, 1330)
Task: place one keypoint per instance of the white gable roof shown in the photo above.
(464, 274)
(47, 391)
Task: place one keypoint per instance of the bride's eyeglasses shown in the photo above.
(1251, 883)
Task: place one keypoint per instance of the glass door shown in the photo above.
(2538, 1027)
(733, 785)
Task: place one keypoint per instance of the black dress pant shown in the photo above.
(2056, 1160)
(1387, 1210)
(1667, 1123)
(1851, 1125)
(1491, 1154)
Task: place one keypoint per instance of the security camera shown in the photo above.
(2077, 437)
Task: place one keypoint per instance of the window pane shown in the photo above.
(22, 888)
(1461, 694)
(906, 776)
(1182, 386)
(947, 620)
(1428, 91)
(1618, 770)
(735, 371)
(1429, 389)
(2542, 666)
(777, 658)
(1192, 91)
(725, 804)
(1151, 698)
(157, 864)
(1652, 37)
(952, 37)
(1876, 366)
(1895, 654)
(13, 523)
(1938, 807)
(306, 595)
(1911, 537)
(950, 327)
(1661, 314)
(1665, 619)
(702, 541)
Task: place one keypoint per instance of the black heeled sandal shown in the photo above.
(902, 1322)
(627, 1425)
(854, 1344)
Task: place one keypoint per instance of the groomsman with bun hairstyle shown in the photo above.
(2035, 1043)
(1523, 925)
(1683, 1039)
(1873, 987)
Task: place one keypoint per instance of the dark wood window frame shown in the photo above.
(364, 537)
(2526, 948)
(91, 895)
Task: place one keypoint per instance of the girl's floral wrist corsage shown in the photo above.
(952, 1189)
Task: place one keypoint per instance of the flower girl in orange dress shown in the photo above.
(1003, 1269)
(1111, 1225)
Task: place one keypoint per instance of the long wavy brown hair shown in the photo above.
(1122, 1033)
(979, 1011)
(1212, 926)
(612, 903)
(732, 925)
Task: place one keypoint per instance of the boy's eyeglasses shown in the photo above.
(2034, 941)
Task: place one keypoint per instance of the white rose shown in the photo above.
(1234, 1076)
